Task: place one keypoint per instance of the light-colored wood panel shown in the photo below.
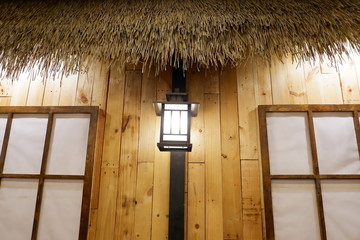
(101, 75)
(295, 82)
(163, 85)
(195, 83)
(144, 197)
(247, 112)
(322, 88)
(92, 224)
(36, 92)
(114, 117)
(20, 90)
(129, 156)
(86, 82)
(263, 89)
(230, 152)
(213, 173)
(111, 152)
(105, 225)
(5, 92)
(349, 82)
(147, 137)
(251, 195)
(196, 201)
(68, 90)
(211, 83)
(279, 74)
(52, 92)
(160, 209)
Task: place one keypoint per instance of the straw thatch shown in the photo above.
(59, 35)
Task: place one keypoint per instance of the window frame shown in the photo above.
(93, 111)
(316, 176)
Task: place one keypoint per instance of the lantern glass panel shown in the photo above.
(175, 122)
(182, 138)
(172, 106)
(167, 122)
(184, 122)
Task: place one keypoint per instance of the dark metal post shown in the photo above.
(177, 174)
(177, 196)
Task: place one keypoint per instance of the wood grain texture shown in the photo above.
(144, 201)
(247, 112)
(196, 87)
(196, 201)
(251, 200)
(68, 90)
(147, 137)
(111, 154)
(230, 153)
(213, 173)
(128, 157)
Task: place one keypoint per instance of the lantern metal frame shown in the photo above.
(192, 110)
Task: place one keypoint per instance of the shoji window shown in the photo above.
(46, 166)
(311, 171)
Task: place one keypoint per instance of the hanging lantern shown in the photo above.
(176, 116)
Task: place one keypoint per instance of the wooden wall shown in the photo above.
(223, 188)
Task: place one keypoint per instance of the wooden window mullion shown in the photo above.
(5, 144)
(84, 217)
(357, 129)
(42, 177)
(315, 162)
(269, 218)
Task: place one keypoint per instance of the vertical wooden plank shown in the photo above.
(247, 112)
(92, 224)
(105, 227)
(99, 99)
(36, 92)
(322, 88)
(279, 74)
(195, 84)
(263, 89)
(147, 137)
(163, 85)
(101, 75)
(160, 212)
(211, 83)
(52, 92)
(263, 95)
(5, 92)
(68, 90)
(251, 194)
(128, 157)
(349, 82)
(160, 208)
(144, 200)
(230, 152)
(20, 90)
(214, 203)
(296, 82)
(196, 201)
(86, 82)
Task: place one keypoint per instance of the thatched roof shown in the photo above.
(204, 32)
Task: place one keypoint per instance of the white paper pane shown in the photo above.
(289, 144)
(336, 143)
(17, 208)
(60, 210)
(184, 122)
(341, 208)
(295, 210)
(3, 121)
(26, 143)
(68, 145)
(175, 122)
